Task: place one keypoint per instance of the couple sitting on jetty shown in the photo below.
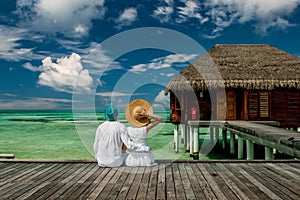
(111, 135)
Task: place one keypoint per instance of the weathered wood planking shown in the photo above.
(278, 138)
(178, 180)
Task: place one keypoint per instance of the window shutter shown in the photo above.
(253, 105)
(264, 104)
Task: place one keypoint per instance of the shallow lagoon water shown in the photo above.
(60, 135)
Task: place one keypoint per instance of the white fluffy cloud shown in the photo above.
(138, 68)
(164, 62)
(127, 17)
(10, 48)
(65, 75)
(267, 13)
(220, 14)
(162, 99)
(163, 13)
(70, 17)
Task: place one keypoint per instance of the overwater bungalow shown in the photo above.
(251, 82)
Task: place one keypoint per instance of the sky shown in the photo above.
(85, 54)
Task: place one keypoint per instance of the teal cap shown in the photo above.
(111, 112)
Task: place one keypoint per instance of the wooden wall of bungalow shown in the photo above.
(282, 105)
(262, 83)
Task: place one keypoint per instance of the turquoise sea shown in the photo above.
(70, 135)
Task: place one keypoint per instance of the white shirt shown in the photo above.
(138, 134)
(108, 144)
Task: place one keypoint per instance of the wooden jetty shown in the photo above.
(261, 133)
(231, 179)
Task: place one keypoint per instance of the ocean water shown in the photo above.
(70, 135)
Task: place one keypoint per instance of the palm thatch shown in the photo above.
(247, 66)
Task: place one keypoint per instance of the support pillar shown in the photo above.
(217, 134)
(240, 147)
(224, 137)
(269, 153)
(196, 143)
(183, 134)
(176, 138)
(188, 138)
(211, 134)
(232, 143)
(250, 150)
(191, 141)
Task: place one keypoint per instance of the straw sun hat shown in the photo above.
(131, 112)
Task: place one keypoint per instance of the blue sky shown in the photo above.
(83, 54)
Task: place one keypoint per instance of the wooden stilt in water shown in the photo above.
(232, 143)
(211, 134)
(176, 138)
(217, 134)
(191, 141)
(269, 153)
(240, 147)
(196, 143)
(224, 139)
(187, 138)
(250, 150)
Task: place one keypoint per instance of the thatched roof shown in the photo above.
(248, 66)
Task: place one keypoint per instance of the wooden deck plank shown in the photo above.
(85, 182)
(260, 185)
(9, 172)
(179, 190)
(232, 182)
(270, 184)
(211, 181)
(209, 194)
(288, 172)
(237, 171)
(118, 183)
(198, 192)
(227, 191)
(132, 193)
(281, 182)
(151, 192)
(56, 186)
(181, 180)
(127, 184)
(48, 179)
(13, 184)
(161, 182)
(291, 168)
(74, 183)
(102, 183)
(170, 185)
(144, 184)
(110, 184)
(31, 184)
(99, 176)
(189, 193)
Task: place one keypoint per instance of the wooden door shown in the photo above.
(221, 105)
(230, 105)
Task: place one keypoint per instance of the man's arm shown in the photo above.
(130, 144)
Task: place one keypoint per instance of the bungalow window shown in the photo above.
(264, 104)
(258, 105)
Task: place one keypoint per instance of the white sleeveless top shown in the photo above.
(146, 158)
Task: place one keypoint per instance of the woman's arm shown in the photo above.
(157, 118)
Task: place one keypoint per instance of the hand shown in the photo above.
(143, 148)
(142, 113)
